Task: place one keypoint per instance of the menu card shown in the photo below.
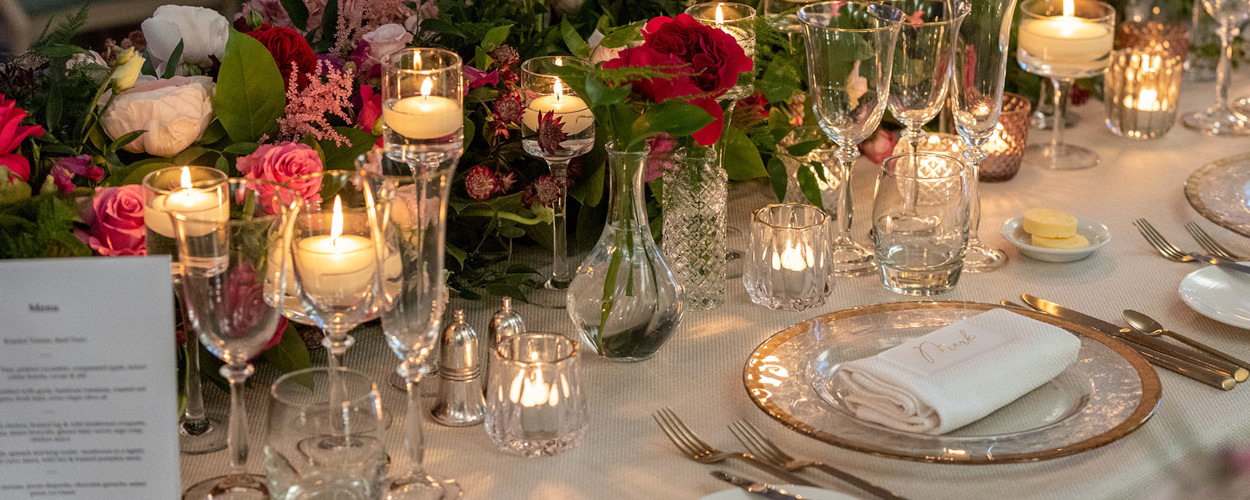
(88, 394)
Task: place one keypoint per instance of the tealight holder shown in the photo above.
(1006, 146)
(739, 21)
(423, 106)
(534, 401)
(1142, 89)
(1154, 35)
(788, 262)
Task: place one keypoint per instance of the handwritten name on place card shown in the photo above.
(943, 348)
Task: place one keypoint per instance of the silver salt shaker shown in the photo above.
(460, 400)
(505, 323)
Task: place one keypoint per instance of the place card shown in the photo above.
(947, 346)
(88, 394)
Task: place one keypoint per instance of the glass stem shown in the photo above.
(414, 437)
(194, 421)
(913, 136)
(846, 161)
(1223, 72)
(337, 344)
(973, 156)
(559, 239)
(236, 439)
(1062, 87)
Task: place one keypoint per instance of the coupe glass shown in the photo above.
(547, 98)
(1220, 118)
(922, 63)
(413, 296)
(334, 250)
(1064, 40)
(976, 102)
(199, 430)
(234, 272)
(850, 51)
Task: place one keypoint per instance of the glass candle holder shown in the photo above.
(1154, 35)
(422, 106)
(788, 264)
(1142, 89)
(1006, 146)
(196, 192)
(534, 401)
(739, 21)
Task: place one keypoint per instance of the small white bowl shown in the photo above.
(1097, 234)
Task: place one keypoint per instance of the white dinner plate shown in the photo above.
(807, 492)
(1219, 294)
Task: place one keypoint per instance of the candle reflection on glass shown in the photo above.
(534, 402)
(788, 265)
(1141, 90)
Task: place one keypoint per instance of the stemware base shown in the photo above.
(1061, 157)
(206, 437)
(422, 487)
(852, 259)
(981, 258)
(231, 487)
(1217, 120)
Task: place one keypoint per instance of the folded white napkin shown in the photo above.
(955, 375)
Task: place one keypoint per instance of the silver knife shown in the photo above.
(1224, 263)
(1156, 351)
(755, 487)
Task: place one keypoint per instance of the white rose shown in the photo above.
(203, 33)
(386, 39)
(174, 112)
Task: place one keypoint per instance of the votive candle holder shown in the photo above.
(1005, 149)
(789, 262)
(534, 401)
(1142, 89)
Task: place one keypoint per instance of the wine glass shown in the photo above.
(1220, 118)
(189, 189)
(233, 278)
(1064, 40)
(413, 296)
(556, 126)
(922, 63)
(334, 250)
(850, 51)
(976, 102)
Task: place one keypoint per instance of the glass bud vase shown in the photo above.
(624, 300)
(694, 224)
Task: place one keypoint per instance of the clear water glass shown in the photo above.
(920, 222)
(534, 401)
(788, 262)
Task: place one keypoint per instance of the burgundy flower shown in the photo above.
(753, 109)
(714, 55)
(1079, 95)
(66, 168)
(290, 50)
(480, 183)
(545, 190)
(475, 78)
(504, 182)
(879, 146)
(370, 110)
(508, 108)
(505, 55)
(662, 157)
(550, 132)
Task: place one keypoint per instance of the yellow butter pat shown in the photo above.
(1070, 243)
(1049, 223)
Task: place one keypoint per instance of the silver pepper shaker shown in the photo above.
(460, 400)
(505, 323)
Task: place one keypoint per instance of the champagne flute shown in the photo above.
(1220, 118)
(195, 189)
(976, 102)
(556, 126)
(233, 279)
(922, 63)
(850, 52)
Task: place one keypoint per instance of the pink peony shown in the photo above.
(117, 225)
(283, 163)
(880, 146)
(480, 182)
(12, 133)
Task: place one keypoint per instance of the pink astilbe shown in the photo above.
(328, 93)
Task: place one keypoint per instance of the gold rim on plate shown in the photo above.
(1216, 184)
(769, 377)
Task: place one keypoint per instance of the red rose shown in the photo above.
(659, 89)
(290, 50)
(713, 54)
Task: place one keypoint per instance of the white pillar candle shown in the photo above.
(336, 268)
(203, 208)
(572, 110)
(425, 116)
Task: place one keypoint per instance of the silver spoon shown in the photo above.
(1147, 325)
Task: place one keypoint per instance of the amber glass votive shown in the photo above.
(1142, 87)
(1006, 146)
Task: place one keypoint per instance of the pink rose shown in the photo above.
(117, 228)
(283, 163)
(386, 39)
(880, 146)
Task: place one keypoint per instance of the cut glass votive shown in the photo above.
(789, 266)
(1142, 89)
(534, 401)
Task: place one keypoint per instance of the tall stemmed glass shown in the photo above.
(1220, 118)
(850, 52)
(189, 189)
(976, 101)
(1064, 40)
(557, 126)
(425, 158)
(334, 250)
(922, 63)
(233, 278)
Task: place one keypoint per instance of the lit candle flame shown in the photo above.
(426, 87)
(336, 221)
(186, 178)
(1069, 8)
(720, 15)
(559, 89)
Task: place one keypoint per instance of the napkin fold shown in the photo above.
(955, 375)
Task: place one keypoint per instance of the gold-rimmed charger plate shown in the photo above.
(1220, 192)
(1106, 394)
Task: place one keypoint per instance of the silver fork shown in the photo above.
(761, 446)
(1208, 243)
(1157, 241)
(698, 450)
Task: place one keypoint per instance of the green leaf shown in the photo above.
(495, 37)
(456, 253)
(576, 44)
(330, 21)
(175, 59)
(213, 133)
(189, 156)
(805, 147)
(671, 117)
(136, 175)
(602, 94)
(241, 148)
(809, 186)
(742, 159)
(250, 93)
(290, 354)
(55, 104)
(621, 36)
(344, 157)
(122, 141)
(298, 12)
(777, 175)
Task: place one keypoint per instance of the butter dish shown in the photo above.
(1097, 234)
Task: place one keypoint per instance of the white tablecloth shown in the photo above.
(699, 372)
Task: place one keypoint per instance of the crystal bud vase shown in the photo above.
(624, 299)
(694, 224)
